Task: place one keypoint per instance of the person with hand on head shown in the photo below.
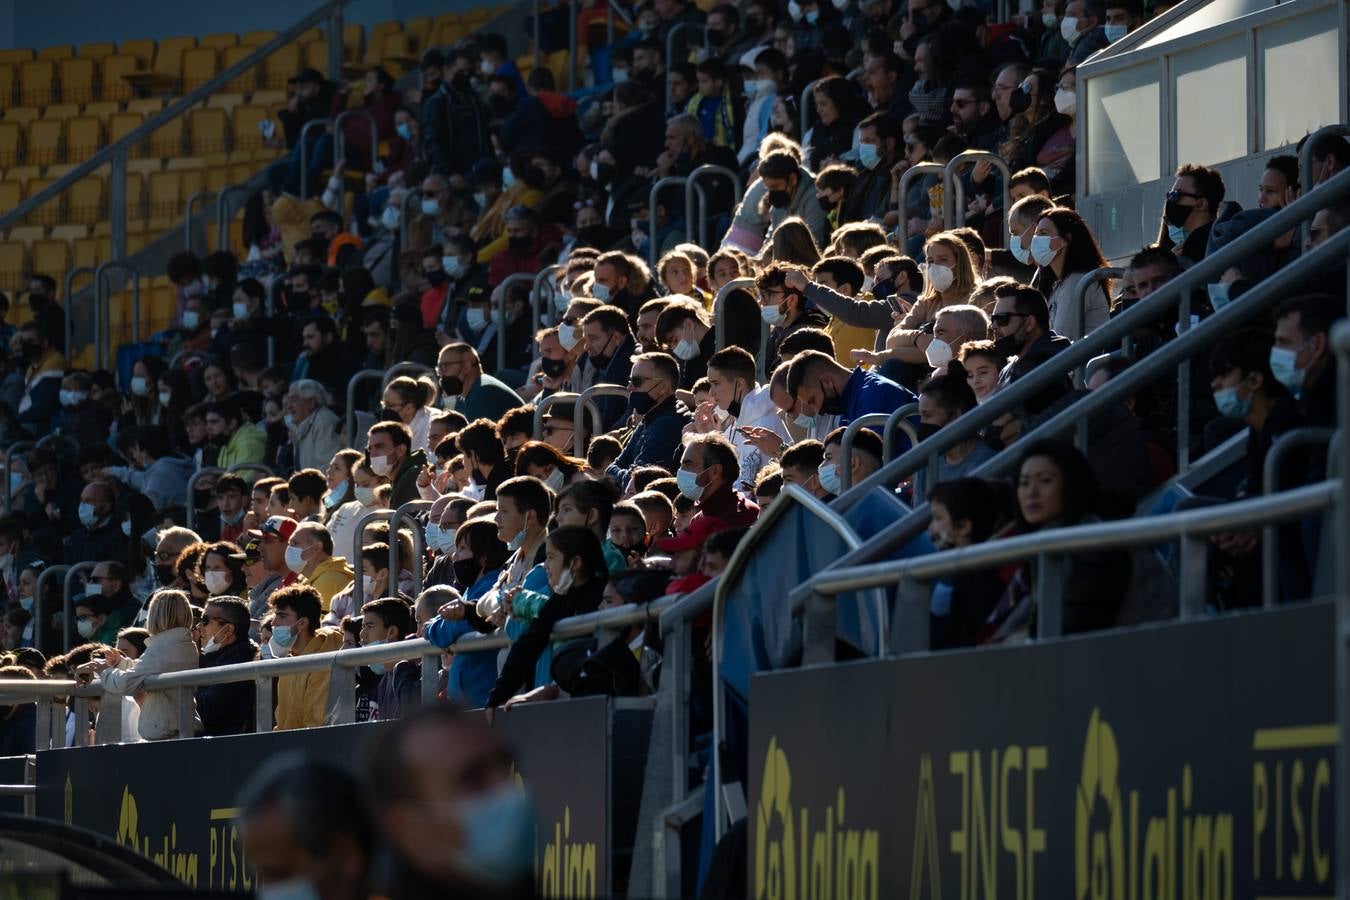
(301, 699)
(391, 455)
(823, 387)
(651, 395)
(309, 553)
(226, 708)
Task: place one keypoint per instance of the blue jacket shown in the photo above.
(867, 392)
(471, 674)
(656, 442)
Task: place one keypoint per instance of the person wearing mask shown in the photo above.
(99, 535)
(391, 455)
(231, 498)
(790, 190)
(1189, 213)
(313, 428)
(577, 574)
(1302, 359)
(1065, 251)
(738, 407)
(96, 618)
(949, 277)
(239, 440)
(309, 552)
(707, 475)
(622, 280)
(260, 580)
(408, 400)
(226, 708)
(880, 140)
(307, 830)
(610, 348)
(170, 648)
(170, 545)
(964, 511)
(524, 506)
(301, 699)
(306, 488)
(651, 395)
(865, 458)
(682, 325)
(484, 453)
(478, 559)
(821, 386)
(480, 396)
(159, 473)
(770, 79)
(1021, 319)
(943, 399)
(113, 582)
(48, 314)
(83, 418)
(388, 620)
(785, 310)
(342, 521)
(43, 373)
(455, 816)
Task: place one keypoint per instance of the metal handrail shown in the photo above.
(578, 437)
(846, 443)
(409, 368)
(223, 216)
(954, 191)
(70, 305)
(588, 397)
(719, 308)
(262, 470)
(57, 438)
(189, 207)
(499, 305)
(10, 452)
(340, 138)
(898, 420)
(363, 375)
(191, 505)
(536, 300)
(1108, 337)
(1270, 483)
(39, 598)
(1096, 276)
(124, 145)
(1117, 390)
(359, 553)
(1191, 526)
(654, 251)
(302, 148)
(670, 54)
(67, 600)
(914, 171)
(690, 207)
(102, 323)
(803, 106)
(408, 513)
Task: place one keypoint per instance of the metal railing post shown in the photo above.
(67, 599)
(954, 191)
(408, 513)
(690, 211)
(302, 147)
(263, 690)
(102, 321)
(359, 552)
(70, 305)
(1184, 389)
(654, 251)
(670, 55)
(719, 307)
(340, 138)
(363, 375)
(10, 452)
(587, 397)
(1079, 326)
(898, 420)
(224, 217)
(117, 205)
(544, 404)
(190, 501)
(805, 107)
(1270, 483)
(846, 444)
(202, 197)
(40, 592)
(336, 45)
(914, 171)
(500, 308)
(537, 300)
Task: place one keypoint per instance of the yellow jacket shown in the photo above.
(849, 337)
(329, 577)
(302, 700)
(491, 226)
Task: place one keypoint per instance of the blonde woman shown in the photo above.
(949, 278)
(168, 649)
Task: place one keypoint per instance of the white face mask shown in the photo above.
(140, 386)
(364, 495)
(939, 276)
(368, 586)
(295, 559)
(566, 581)
(165, 397)
(1066, 102)
(554, 481)
(216, 582)
(85, 628)
(240, 310)
(567, 336)
(381, 465)
(1068, 29)
(939, 352)
(686, 350)
(477, 318)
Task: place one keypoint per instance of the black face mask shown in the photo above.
(754, 24)
(592, 236)
(925, 430)
(604, 173)
(1008, 344)
(499, 106)
(1176, 213)
(715, 36)
(297, 299)
(389, 414)
(32, 351)
(553, 368)
(779, 199)
(165, 574)
(641, 402)
(219, 440)
(466, 572)
(201, 497)
(436, 278)
(462, 81)
(831, 406)
(38, 302)
(826, 204)
(534, 177)
(1019, 101)
(452, 384)
(520, 245)
(884, 288)
(734, 407)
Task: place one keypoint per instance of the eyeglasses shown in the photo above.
(1005, 318)
(962, 104)
(638, 381)
(1173, 196)
(98, 579)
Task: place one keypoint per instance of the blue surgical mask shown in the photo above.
(334, 496)
(191, 320)
(508, 177)
(1115, 32)
(805, 421)
(26, 603)
(481, 200)
(1020, 253)
(87, 516)
(868, 155)
(431, 536)
(600, 292)
(1041, 252)
(431, 206)
(289, 421)
(828, 473)
(812, 16)
(404, 131)
(688, 482)
(516, 541)
(377, 668)
(1218, 296)
(773, 315)
(1230, 404)
(390, 217)
(477, 319)
(1284, 365)
(497, 831)
(1176, 235)
(283, 636)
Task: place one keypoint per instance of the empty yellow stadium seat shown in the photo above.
(44, 142)
(398, 51)
(68, 232)
(11, 194)
(22, 114)
(219, 41)
(24, 174)
(77, 80)
(206, 131)
(59, 52)
(226, 101)
(353, 42)
(447, 32)
(169, 55)
(51, 257)
(84, 136)
(167, 139)
(248, 81)
(98, 51)
(112, 82)
(27, 234)
(257, 38)
(280, 66)
(267, 97)
(61, 111)
(13, 265)
(310, 36)
(11, 143)
(143, 50)
(145, 165)
(146, 106)
(121, 124)
(247, 135)
(59, 171)
(316, 55)
(37, 82)
(102, 109)
(9, 76)
(16, 55)
(91, 252)
(135, 196)
(165, 197)
(49, 213)
(200, 64)
(86, 198)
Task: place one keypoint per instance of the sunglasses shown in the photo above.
(1177, 195)
(1005, 318)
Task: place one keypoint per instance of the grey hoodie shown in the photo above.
(164, 483)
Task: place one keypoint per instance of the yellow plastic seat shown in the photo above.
(267, 97)
(59, 171)
(145, 165)
(86, 199)
(91, 252)
(27, 234)
(11, 194)
(37, 82)
(69, 232)
(280, 66)
(200, 64)
(240, 84)
(226, 101)
(112, 81)
(98, 51)
(167, 139)
(59, 52)
(206, 131)
(11, 143)
(447, 32)
(316, 55)
(219, 41)
(24, 174)
(44, 142)
(61, 111)
(22, 114)
(419, 29)
(165, 197)
(353, 42)
(135, 196)
(9, 77)
(169, 56)
(146, 106)
(256, 38)
(51, 257)
(49, 213)
(16, 55)
(77, 80)
(13, 265)
(84, 136)
(245, 119)
(310, 36)
(375, 41)
(398, 50)
(102, 109)
(143, 49)
(123, 123)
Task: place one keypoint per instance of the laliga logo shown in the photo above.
(1099, 822)
(775, 856)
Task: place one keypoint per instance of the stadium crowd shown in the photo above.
(872, 301)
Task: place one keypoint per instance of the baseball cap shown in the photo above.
(250, 549)
(693, 537)
(279, 527)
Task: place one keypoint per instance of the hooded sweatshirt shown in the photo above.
(164, 483)
(302, 700)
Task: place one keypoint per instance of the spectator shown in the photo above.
(313, 428)
(622, 280)
(480, 396)
(739, 408)
(949, 277)
(785, 309)
(683, 326)
(342, 521)
(82, 417)
(478, 559)
(169, 649)
(301, 699)
(964, 511)
(43, 375)
(239, 440)
(822, 387)
(943, 399)
(112, 581)
(707, 475)
(865, 458)
(1065, 251)
(651, 395)
(310, 553)
(790, 190)
(609, 353)
(226, 708)
(801, 464)
(99, 535)
(261, 579)
(230, 493)
(389, 450)
(1022, 322)
(1192, 205)
(408, 400)
(160, 474)
(879, 143)
(18, 721)
(485, 457)
(387, 621)
(1302, 359)
(1330, 155)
